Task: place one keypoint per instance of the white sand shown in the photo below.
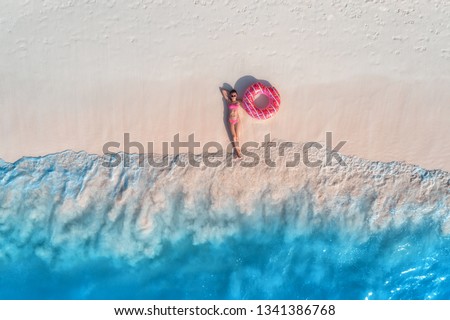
(76, 74)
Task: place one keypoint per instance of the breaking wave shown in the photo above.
(72, 228)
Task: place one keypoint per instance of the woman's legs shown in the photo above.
(238, 130)
(235, 129)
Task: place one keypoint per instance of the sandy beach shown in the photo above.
(77, 75)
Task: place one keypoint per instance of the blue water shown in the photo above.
(288, 251)
(408, 263)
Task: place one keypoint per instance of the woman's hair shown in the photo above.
(233, 91)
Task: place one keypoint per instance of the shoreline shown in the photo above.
(227, 158)
(380, 119)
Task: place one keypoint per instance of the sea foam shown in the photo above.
(68, 210)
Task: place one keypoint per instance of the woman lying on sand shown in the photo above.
(233, 117)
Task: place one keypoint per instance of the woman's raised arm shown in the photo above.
(226, 94)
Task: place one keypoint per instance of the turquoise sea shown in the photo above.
(72, 229)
